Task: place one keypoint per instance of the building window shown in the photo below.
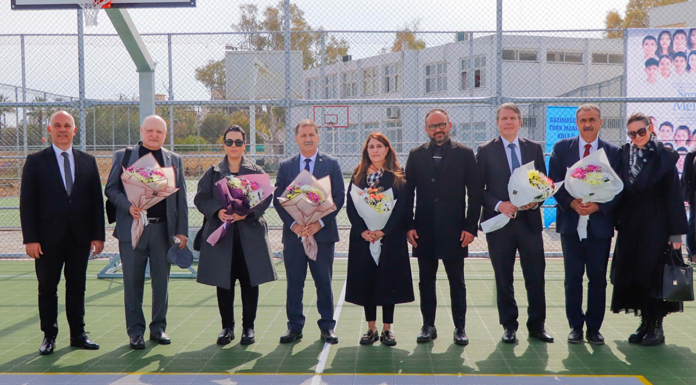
(370, 81)
(464, 74)
(395, 134)
(607, 58)
(393, 78)
(475, 137)
(480, 72)
(329, 138)
(313, 88)
(528, 121)
(330, 87)
(613, 123)
(369, 128)
(564, 57)
(435, 78)
(519, 55)
(349, 85)
(351, 144)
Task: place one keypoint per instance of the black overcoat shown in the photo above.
(390, 282)
(651, 209)
(215, 262)
(446, 204)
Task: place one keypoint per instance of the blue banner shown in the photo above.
(560, 124)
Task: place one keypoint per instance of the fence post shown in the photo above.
(81, 75)
(499, 53)
(286, 41)
(24, 93)
(171, 92)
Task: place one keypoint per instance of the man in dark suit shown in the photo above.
(444, 176)
(166, 220)
(324, 230)
(497, 159)
(62, 212)
(688, 192)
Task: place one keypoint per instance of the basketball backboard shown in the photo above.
(75, 4)
(334, 116)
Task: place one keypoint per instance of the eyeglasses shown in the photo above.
(441, 126)
(641, 133)
(231, 142)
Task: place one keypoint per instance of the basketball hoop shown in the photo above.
(91, 10)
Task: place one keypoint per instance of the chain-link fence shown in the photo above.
(354, 68)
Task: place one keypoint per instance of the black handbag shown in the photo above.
(110, 207)
(676, 280)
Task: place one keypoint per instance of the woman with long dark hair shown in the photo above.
(650, 217)
(664, 44)
(385, 284)
(244, 253)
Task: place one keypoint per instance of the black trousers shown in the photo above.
(74, 257)
(591, 254)
(250, 294)
(691, 235)
(387, 313)
(428, 299)
(516, 236)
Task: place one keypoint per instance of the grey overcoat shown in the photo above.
(215, 263)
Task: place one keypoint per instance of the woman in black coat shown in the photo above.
(385, 284)
(650, 216)
(243, 253)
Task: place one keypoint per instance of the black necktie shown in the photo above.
(437, 155)
(306, 165)
(67, 172)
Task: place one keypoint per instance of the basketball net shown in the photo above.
(91, 10)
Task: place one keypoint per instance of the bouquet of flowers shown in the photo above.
(146, 183)
(374, 205)
(593, 180)
(308, 199)
(526, 185)
(240, 195)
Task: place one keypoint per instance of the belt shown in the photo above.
(155, 220)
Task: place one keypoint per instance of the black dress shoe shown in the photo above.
(290, 336)
(83, 342)
(137, 342)
(595, 338)
(575, 336)
(161, 338)
(47, 346)
(370, 337)
(427, 334)
(226, 336)
(247, 337)
(509, 336)
(542, 336)
(460, 337)
(387, 338)
(328, 335)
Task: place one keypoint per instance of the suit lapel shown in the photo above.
(77, 157)
(527, 156)
(318, 166)
(295, 167)
(501, 155)
(167, 157)
(428, 158)
(574, 151)
(134, 155)
(50, 158)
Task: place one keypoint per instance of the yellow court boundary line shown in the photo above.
(642, 379)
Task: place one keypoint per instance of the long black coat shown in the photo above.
(215, 264)
(446, 204)
(651, 209)
(390, 282)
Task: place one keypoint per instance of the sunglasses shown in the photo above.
(434, 127)
(641, 133)
(231, 142)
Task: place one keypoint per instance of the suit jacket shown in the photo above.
(565, 154)
(177, 208)
(495, 169)
(688, 181)
(442, 212)
(325, 165)
(48, 214)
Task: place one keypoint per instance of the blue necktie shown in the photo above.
(307, 162)
(513, 156)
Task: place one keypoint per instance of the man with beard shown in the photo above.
(445, 176)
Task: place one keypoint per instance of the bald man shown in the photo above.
(167, 220)
(62, 213)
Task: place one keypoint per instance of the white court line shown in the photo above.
(327, 346)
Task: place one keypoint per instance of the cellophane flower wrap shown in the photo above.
(592, 179)
(146, 183)
(375, 206)
(240, 195)
(308, 199)
(526, 185)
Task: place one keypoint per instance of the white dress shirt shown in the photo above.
(582, 143)
(61, 163)
(311, 164)
(508, 152)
